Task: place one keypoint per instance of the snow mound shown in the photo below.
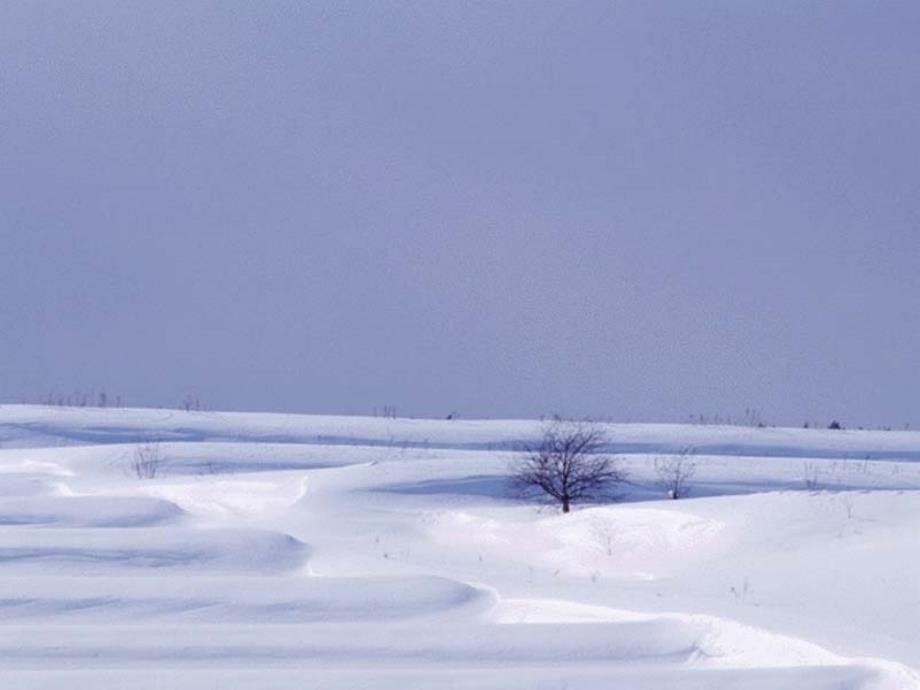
(87, 511)
(28, 484)
(224, 497)
(624, 541)
(718, 643)
(287, 600)
(80, 551)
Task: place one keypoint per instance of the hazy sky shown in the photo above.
(634, 210)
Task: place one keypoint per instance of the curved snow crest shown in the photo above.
(718, 643)
(220, 498)
(29, 484)
(729, 644)
(77, 551)
(88, 511)
(656, 653)
(287, 600)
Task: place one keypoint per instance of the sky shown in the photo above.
(628, 210)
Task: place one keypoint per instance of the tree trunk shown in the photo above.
(565, 504)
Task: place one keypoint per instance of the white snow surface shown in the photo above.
(293, 551)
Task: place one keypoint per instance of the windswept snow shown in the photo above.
(87, 511)
(290, 551)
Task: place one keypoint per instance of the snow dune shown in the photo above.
(234, 600)
(84, 551)
(290, 551)
(87, 511)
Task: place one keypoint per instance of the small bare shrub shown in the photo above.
(812, 476)
(675, 472)
(146, 461)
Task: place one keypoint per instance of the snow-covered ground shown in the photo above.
(283, 551)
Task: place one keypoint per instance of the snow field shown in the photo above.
(290, 551)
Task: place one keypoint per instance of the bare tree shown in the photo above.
(567, 465)
(675, 472)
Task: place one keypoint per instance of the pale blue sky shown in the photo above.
(634, 210)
